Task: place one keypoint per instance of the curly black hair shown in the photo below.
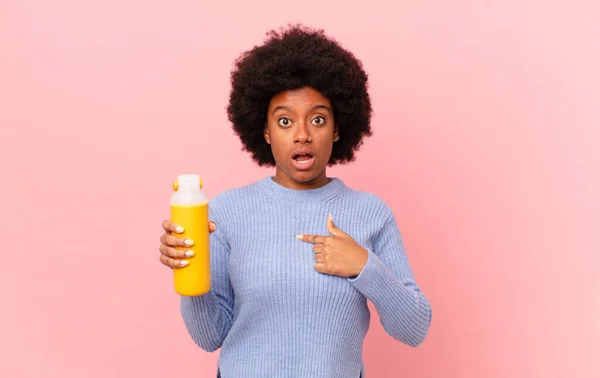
(293, 58)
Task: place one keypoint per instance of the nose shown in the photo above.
(302, 134)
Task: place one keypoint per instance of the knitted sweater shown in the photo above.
(271, 313)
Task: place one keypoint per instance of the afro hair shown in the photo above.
(293, 58)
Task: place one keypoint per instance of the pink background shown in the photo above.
(486, 146)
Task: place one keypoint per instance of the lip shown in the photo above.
(303, 151)
(303, 166)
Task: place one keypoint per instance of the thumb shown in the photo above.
(333, 228)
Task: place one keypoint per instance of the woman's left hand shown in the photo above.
(338, 254)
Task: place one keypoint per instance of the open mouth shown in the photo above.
(302, 157)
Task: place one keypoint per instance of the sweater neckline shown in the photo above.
(281, 193)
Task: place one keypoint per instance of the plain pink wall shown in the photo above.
(486, 145)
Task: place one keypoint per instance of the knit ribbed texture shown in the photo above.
(271, 313)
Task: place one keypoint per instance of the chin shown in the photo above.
(304, 176)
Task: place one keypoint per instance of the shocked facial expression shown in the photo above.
(301, 131)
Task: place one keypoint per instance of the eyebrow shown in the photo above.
(282, 107)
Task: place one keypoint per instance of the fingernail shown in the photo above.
(300, 236)
(183, 262)
(179, 229)
(330, 217)
(188, 242)
(189, 253)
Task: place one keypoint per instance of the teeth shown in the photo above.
(303, 159)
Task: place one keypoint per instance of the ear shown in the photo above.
(267, 135)
(336, 133)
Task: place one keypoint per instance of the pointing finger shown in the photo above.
(314, 239)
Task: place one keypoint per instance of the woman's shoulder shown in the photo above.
(368, 199)
(234, 194)
(229, 205)
(238, 197)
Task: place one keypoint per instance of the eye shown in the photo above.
(285, 122)
(318, 120)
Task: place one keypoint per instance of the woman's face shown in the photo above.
(301, 131)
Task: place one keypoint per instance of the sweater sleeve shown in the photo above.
(208, 318)
(387, 281)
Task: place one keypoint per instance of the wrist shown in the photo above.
(364, 259)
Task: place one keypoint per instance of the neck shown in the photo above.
(288, 182)
(278, 192)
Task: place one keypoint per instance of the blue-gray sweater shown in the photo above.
(271, 313)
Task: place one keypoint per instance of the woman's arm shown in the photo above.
(208, 318)
(387, 281)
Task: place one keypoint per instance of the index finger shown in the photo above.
(314, 239)
(170, 226)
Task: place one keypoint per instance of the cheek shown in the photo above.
(326, 148)
(277, 146)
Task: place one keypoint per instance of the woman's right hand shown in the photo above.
(169, 255)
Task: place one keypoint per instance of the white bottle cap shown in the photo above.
(188, 183)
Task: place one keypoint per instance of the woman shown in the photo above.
(295, 256)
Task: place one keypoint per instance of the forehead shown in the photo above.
(301, 98)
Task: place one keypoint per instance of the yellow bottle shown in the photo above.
(189, 209)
